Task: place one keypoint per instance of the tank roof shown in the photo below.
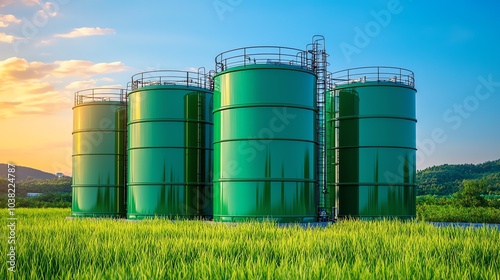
(172, 77)
(270, 55)
(387, 74)
(100, 95)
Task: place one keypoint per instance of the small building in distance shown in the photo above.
(59, 175)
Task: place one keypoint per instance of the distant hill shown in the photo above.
(23, 172)
(445, 179)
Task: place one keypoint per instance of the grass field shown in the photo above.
(50, 247)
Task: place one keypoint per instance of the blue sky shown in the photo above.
(50, 49)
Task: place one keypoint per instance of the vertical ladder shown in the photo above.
(125, 152)
(336, 158)
(319, 66)
(210, 79)
(202, 82)
(199, 142)
(330, 160)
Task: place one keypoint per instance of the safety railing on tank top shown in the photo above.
(100, 95)
(371, 74)
(172, 77)
(264, 55)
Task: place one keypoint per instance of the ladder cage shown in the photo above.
(319, 58)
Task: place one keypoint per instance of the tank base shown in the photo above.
(377, 218)
(278, 219)
(94, 216)
(168, 217)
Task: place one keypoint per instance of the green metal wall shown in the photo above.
(98, 159)
(331, 161)
(169, 152)
(264, 144)
(376, 150)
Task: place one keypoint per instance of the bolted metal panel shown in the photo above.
(264, 144)
(169, 152)
(98, 153)
(375, 148)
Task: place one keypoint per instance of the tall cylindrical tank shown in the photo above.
(98, 153)
(374, 124)
(170, 145)
(331, 160)
(265, 144)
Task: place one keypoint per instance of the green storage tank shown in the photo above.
(264, 136)
(170, 151)
(331, 161)
(374, 142)
(99, 124)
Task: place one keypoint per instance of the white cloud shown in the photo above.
(4, 38)
(35, 87)
(86, 31)
(107, 80)
(92, 83)
(85, 68)
(49, 8)
(45, 42)
(31, 2)
(4, 3)
(6, 20)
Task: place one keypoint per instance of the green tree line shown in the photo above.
(446, 179)
(55, 192)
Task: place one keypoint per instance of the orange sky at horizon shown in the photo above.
(36, 101)
(49, 151)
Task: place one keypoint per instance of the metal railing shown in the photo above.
(129, 87)
(373, 73)
(263, 55)
(100, 95)
(172, 77)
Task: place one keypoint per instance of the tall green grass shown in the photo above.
(50, 247)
